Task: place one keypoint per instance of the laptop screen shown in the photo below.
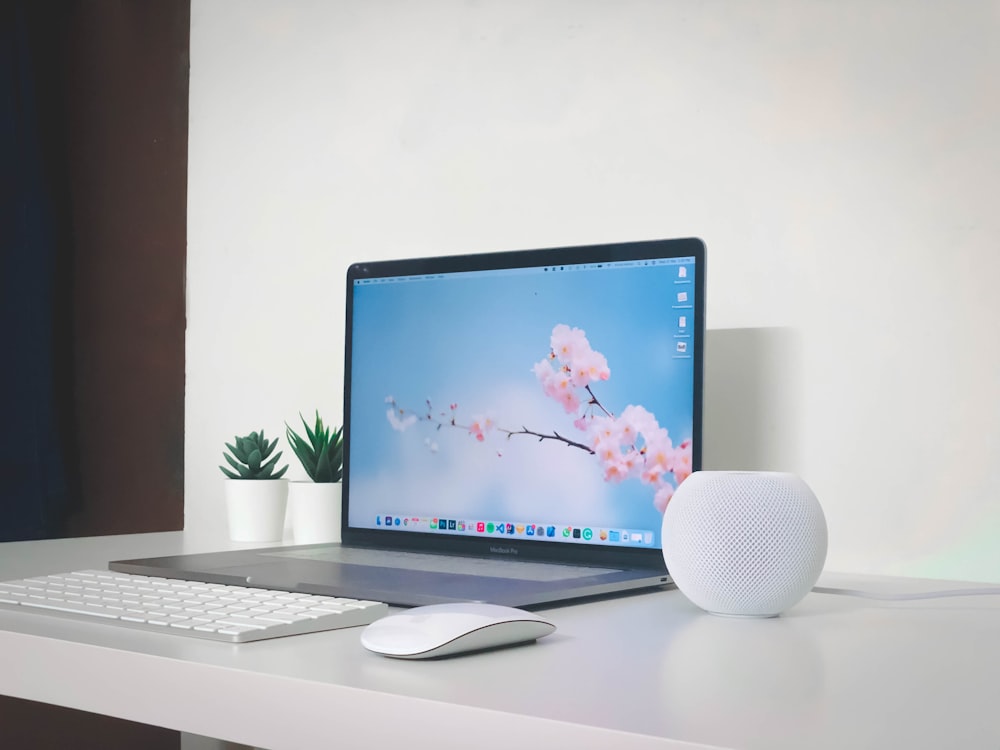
(548, 397)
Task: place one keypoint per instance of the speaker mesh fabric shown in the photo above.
(744, 543)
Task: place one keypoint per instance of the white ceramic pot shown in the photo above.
(256, 509)
(316, 508)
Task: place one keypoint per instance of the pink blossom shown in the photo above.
(547, 377)
(607, 450)
(615, 472)
(479, 427)
(589, 366)
(567, 343)
(652, 472)
(579, 365)
(627, 432)
(659, 457)
(622, 467)
(570, 400)
(619, 461)
(635, 423)
(663, 496)
(543, 370)
(603, 429)
(681, 464)
(632, 461)
(637, 420)
(558, 385)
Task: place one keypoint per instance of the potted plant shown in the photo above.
(316, 503)
(256, 494)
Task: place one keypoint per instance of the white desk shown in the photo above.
(642, 671)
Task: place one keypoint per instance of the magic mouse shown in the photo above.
(445, 629)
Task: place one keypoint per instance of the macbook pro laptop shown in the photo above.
(514, 425)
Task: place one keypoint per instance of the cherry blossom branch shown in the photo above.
(478, 427)
(632, 445)
(594, 402)
(554, 436)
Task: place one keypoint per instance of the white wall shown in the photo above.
(841, 161)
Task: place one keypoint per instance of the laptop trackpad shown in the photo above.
(398, 586)
(489, 567)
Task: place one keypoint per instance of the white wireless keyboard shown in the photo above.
(204, 610)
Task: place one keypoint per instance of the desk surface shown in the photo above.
(641, 671)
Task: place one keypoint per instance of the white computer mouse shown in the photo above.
(445, 629)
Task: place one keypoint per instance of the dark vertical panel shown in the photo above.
(100, 217)
(127, 110)
(35, 262)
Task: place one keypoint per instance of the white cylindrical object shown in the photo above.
(316, 510)
(744, 543)
(256, 509)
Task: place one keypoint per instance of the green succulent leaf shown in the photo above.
(320, 452)
(231, 461)
(249, 455)
(337, 455)
(266, 469)
(228, 473)
(246, 446)
(323, 471)
(309, 433)
(236, 450)
(267, 447)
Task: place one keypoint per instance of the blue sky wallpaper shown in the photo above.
(472, 341)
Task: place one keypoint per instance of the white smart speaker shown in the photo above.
(744, 543)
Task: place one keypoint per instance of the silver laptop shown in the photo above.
(514, 425)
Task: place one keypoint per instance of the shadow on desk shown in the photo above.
(29, 724)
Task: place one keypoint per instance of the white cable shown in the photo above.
(908, 597)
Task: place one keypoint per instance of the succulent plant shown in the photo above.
(322, 455)
(249, 455)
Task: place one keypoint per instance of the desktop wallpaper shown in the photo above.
(558, 397)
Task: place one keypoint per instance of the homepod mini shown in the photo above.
(744, 543)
